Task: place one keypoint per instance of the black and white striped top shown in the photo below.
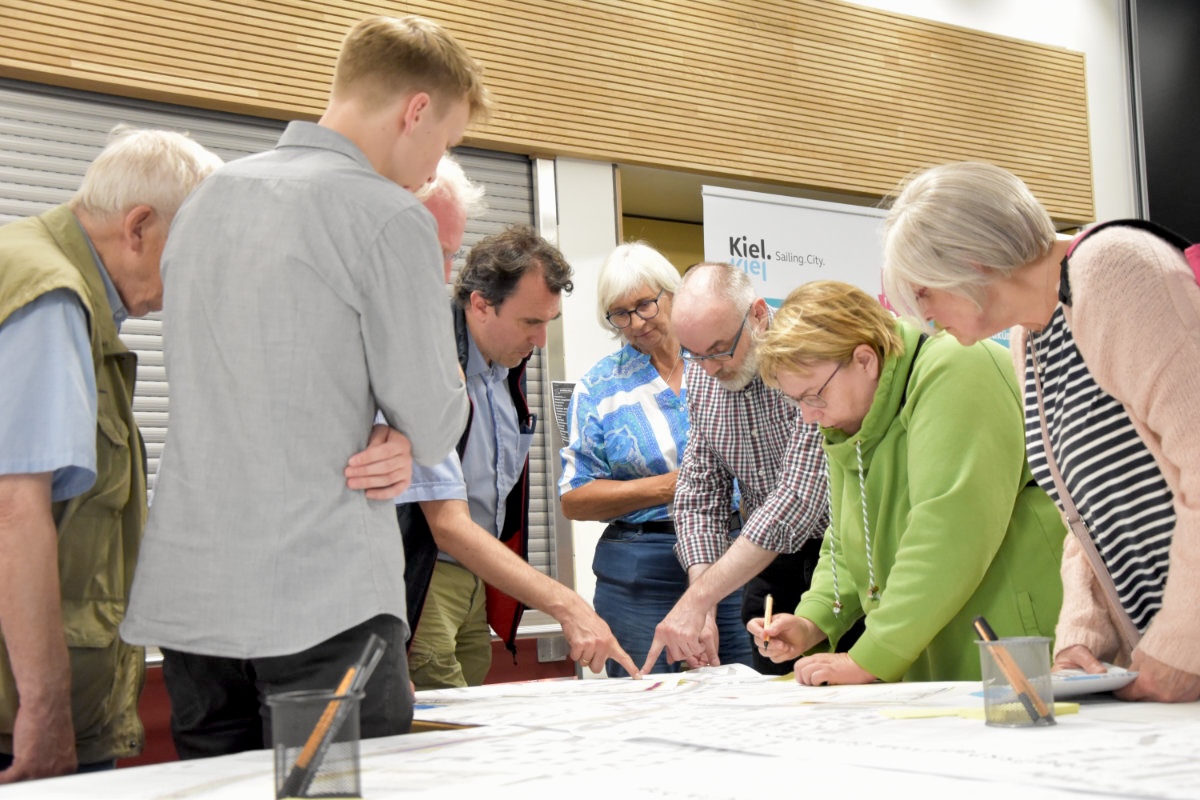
(1113, 479)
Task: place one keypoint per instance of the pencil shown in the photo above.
(318, 731)
(768, 607)
(353, 683)
(1016, 678)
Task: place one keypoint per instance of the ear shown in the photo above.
(414, 109)
(758, 312)
(134, 226)
(865, 357)
(478, 306)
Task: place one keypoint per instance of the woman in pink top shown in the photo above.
(1113, 332)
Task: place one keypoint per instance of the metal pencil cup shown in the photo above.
(1017, 692)
(315, 735)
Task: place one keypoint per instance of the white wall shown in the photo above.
(587, 233)
(587, 202)
(1091, 27)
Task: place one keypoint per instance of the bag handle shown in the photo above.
(1128, 631)
(1190, 251)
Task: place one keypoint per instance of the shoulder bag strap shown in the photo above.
(1129, 632)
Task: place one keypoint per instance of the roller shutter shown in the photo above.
(49, 135)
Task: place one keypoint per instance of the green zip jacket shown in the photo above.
(957, 528)
(98, 531)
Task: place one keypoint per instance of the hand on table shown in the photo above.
(1158, 682)
(1078, 657)
(688, 634)
(831, 669)
(593, 643)
(43, 744)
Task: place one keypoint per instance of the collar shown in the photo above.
(119, 312)
(478, 365)
(309, 134)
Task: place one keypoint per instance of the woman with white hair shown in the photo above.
(1108, 344)
(629, 427)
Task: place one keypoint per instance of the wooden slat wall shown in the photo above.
(811, 93)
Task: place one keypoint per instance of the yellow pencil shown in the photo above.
(768, 607)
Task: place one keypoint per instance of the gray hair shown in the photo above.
(957, 227)
(626, 269)
(143, 167)
(452, 183)
(726, 281)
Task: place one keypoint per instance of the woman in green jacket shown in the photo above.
(935, 516)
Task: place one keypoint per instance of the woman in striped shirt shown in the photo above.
(1113, 333)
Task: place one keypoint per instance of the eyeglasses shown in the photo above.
(688, 355)
(646, 309)
(814, 399)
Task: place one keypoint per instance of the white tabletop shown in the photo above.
(723, 733)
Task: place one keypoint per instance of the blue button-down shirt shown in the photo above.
(48, 396)
(495, 453)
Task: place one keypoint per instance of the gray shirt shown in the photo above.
(303, 291)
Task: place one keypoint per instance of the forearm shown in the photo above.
(484, 555)
(30, 605)
(609, 499)
(711, 583)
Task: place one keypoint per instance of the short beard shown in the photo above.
(746, 373)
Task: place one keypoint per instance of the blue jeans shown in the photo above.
(638, 582)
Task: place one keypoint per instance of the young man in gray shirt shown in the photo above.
(303, 293)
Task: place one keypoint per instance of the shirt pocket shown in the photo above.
(113, 465)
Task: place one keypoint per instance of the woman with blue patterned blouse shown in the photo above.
(629, 427)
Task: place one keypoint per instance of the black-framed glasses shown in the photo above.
(688, 355)
(623, 317)
(814, 399)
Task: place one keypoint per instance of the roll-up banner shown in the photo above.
(782, 242)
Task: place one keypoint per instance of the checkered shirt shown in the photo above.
(756, 437)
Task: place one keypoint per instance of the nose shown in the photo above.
(711, 367)
(809, 413)
(538, 339)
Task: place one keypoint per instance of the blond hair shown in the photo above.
(957, 227)
(825, 321)
(142, 167)
(384, 57)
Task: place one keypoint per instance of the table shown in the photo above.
(722, 732)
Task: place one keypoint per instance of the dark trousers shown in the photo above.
(786, 578)
(218, 705)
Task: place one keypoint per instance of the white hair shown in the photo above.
(717, 279)
(454, 185)
(627, 268)
(957, 227)
(143, 167)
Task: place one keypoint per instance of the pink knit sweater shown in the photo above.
(1135, 317)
